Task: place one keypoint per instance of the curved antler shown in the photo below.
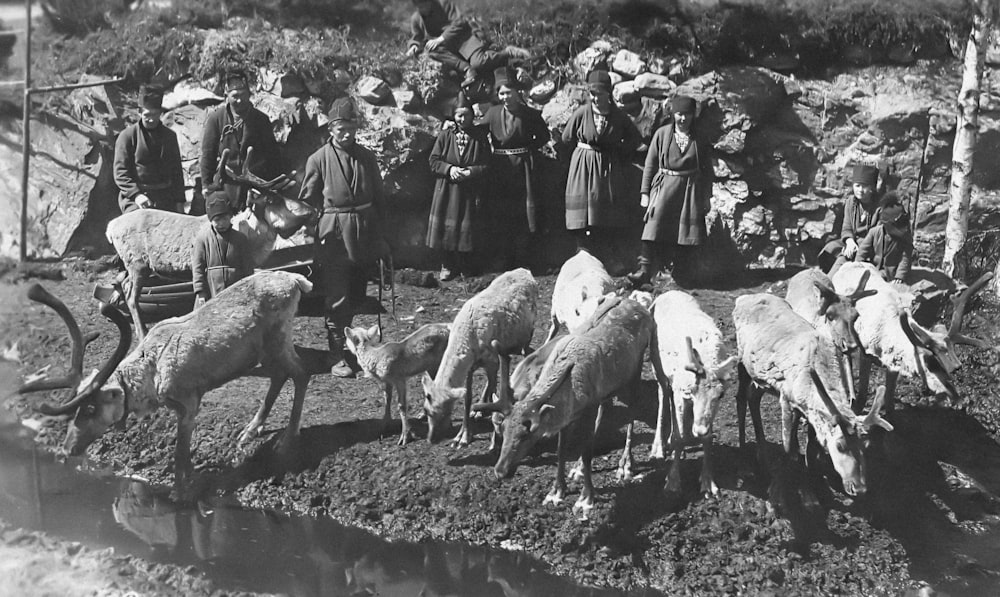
(873, 418)
(248, 178)
(38, 294)
(860, 292)
(695, 366)
(955, 330)
(828, 402)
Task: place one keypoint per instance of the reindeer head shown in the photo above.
(935, 354)
(530, 420)
(848, 439)
(840, 313)
(439, 401)
(95, 407)
(707, 391)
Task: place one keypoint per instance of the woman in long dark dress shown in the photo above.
(460, 157)
(606, 139)
(676, 192)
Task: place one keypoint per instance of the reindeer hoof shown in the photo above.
(554, 497)
(709, 490)
(583, 506)
(624, 474)
(251, 432)
(461, 440)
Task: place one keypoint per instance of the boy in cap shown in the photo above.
(888, 245)
(221, 255)
(438, 27)
(342, 180)
(860, 214)
(237, 126)
(147, 166)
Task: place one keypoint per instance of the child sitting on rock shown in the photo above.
(889, 244)
(221, 254)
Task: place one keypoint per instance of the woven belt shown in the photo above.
(213, 267)
(346, 209)
(154, 186)
(670, 172)
(514, 151)
(583, 145)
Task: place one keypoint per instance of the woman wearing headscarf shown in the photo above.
(676, 192)
(459, 159)
(517, 132)
(597, 185)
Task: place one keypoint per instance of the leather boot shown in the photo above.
(341, 366)
(643, 275)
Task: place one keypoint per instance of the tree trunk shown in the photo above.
(966, 134)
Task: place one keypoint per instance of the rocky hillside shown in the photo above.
(784, 123)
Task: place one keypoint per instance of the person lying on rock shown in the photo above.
(221, 255)
(889, 243)
(860, 214)
(147, 165)
(438, 27)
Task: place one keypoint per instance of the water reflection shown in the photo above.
(243, 549)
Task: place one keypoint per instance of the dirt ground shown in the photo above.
(933, 480)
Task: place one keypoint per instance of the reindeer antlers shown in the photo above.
(246, 177)
(828, 402)
(955, 331)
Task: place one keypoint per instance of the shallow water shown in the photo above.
(252, 550)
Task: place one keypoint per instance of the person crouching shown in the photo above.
(221, 254)
(889, 244)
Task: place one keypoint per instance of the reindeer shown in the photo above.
(781, 352)
(888, 333)
(183, 358)
(580, 277)
(155, 241)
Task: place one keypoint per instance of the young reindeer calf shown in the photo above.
(392, 363)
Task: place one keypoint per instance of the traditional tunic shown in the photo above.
(597, 185)
(453, 208)
(219, 260)
(226, 130)
(889, 254)
(148, 162)
(679, 184)
(516, 139)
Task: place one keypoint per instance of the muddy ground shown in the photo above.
(932, 498)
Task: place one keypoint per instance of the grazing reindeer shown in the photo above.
(581, 277)
(161, 242)
(781, 352)
(505, 311)
(692, 375)
(589, 367)
(888, 334)
(392, 363)
(183, 358)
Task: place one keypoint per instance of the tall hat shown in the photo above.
(462, 103)
(151, 98)
(505, 76)
(343, 108)
(892, 216)
(599, 80)
(865, 174)
(234, 78)
(683, 103)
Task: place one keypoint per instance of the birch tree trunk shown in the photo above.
(955, 259)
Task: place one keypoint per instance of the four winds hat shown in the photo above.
(504, 76)
(865, 174)
(599, 80)
(683, 104)
(217, 203)
(151, 98)
(462, 103)
(343, 108)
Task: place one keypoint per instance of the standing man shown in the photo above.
(148, 160)
(237, 126)
(517, 132)
(438, 27)
(342, 180)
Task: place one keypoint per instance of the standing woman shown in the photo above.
(460, 158)
(605, 139)
(517, 133)
(676, 192)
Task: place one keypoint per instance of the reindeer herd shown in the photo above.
(801, 348)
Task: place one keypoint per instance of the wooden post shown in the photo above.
(26, 133)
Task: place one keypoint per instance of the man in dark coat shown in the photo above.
(343, 181)
(236, 125)
(221, 255)
(439, 27)
(861, 213)
(676, 192)
(889, 244)
(147, 164)
(518, 132)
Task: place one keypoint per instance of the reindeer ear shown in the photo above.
(428, 383)
(372, 332)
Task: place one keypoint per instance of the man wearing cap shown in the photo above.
(605, 140)
(221, 255)
(517, 132)
(147, 163)
(343, 181)
(439, 27)
(888, 245)
(676, 192)
(237, 126)
(860, 214)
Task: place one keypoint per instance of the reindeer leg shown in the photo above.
(182, 450)
(891, 378)
(291, 434)
(492, 369)
(675, 442)
(387, 411)
(742, 393)
(137, 272)
(789, 429)
(253, 428)
(462, 439)
(586, 501)
(708, 486)
(864, 379)
(576, 473)
(404, 435)
(657, 450)
(558, 492)
(625, 462)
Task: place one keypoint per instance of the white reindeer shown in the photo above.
(504, 311)
(692, 371)
(781, 352)
(582, 276)
(182, 358)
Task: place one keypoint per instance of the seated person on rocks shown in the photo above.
(860, 214)
(438, 27)
(147, 165)
(221, 254)
(889, 244)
